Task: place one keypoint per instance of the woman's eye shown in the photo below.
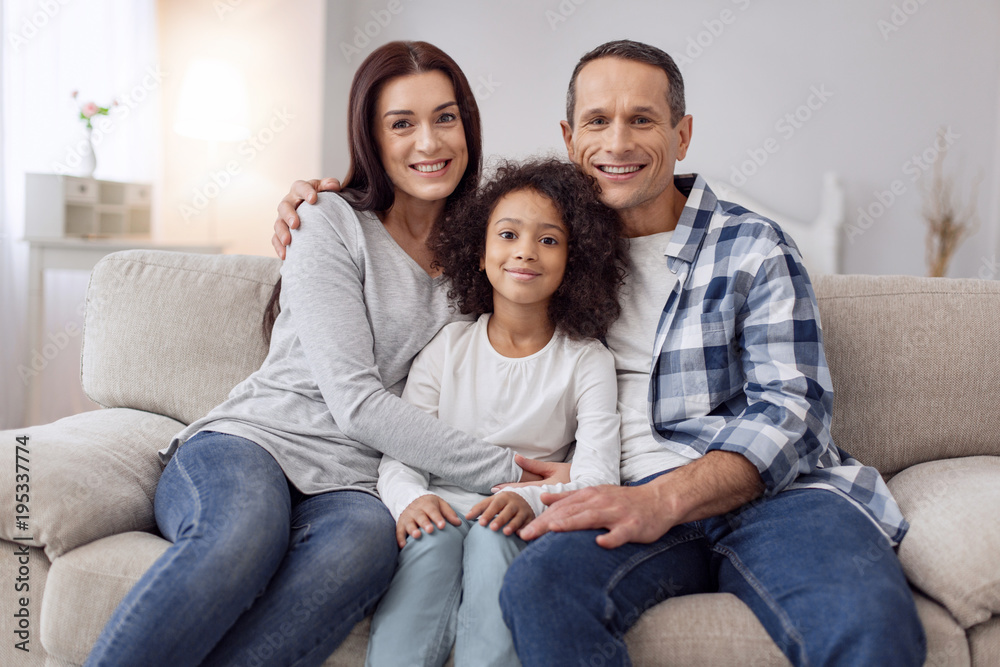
(401, 124)
(447, 118)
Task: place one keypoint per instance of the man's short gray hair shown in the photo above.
(626, 49)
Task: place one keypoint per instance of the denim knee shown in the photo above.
(491, 546)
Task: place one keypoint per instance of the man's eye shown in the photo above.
(598, 121)
(642, 120)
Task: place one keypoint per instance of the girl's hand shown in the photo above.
(538, 473)
(507, 510)
(425, 512)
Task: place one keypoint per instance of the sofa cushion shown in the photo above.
(984, 643)
(947, 644)
(912, 378)
(952, 551)
(173, 333)
(86, 584)
(37, 565)
(718, 629)
(91, 475)
(705, 629)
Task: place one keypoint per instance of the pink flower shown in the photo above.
(89, 109)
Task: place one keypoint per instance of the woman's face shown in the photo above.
(420, 136)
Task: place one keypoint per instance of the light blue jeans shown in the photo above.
(258, 574)
(446, 591)
(814, 569)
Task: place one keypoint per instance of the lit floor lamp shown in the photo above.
(213, 106)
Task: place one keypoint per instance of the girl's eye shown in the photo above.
(401, 124)
(510, 236)
(548, 240)
(447, 118)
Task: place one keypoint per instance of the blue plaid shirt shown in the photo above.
(738, 363)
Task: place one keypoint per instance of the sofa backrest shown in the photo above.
(916, 376)
(173, 333)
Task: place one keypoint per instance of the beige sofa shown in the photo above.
(167, 335)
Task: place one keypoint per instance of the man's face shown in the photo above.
(622, 134)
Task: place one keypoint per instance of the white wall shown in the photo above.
(746, 65)
(278, 48)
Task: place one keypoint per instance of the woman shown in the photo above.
(279, 545)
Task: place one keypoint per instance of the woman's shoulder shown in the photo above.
(336, 211)
(332, 206)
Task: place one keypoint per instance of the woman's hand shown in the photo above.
(425, 512)
(504, 510)
(538, 473)
(288, 219)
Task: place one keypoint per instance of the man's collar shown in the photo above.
(694, 220)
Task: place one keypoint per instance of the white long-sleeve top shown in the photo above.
(536, 405)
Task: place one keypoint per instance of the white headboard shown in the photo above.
(818, 241)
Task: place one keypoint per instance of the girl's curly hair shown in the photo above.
(586, 303)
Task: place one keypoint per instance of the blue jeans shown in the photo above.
(818, 574)
(258, 574)
(446, 591)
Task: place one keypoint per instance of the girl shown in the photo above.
(538, 259)
(280, 545)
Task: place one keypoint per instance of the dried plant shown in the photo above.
(947, 226)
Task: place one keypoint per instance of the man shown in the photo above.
(732, 480)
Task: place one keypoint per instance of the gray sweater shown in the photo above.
(355, 310)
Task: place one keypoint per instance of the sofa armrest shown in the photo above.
(89, 476)
(950, 551)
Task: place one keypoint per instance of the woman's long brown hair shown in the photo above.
(367, 186)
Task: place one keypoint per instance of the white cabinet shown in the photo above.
(58, 206)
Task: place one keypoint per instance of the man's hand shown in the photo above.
(288, 219)
(504, 510)
(425, 512)
(538, 473)
(716, 483)
(629, 513)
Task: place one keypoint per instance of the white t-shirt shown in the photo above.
(536, 405)
(631, 337)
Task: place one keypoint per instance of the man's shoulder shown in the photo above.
(734, 220)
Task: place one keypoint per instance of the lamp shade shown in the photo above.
(213, 102)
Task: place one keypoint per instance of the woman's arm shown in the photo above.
(322, 285)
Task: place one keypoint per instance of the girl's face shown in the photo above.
(527, 245)
(420, 136)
